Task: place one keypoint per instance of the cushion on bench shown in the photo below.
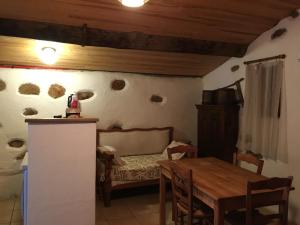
(135, 142)
(137, 168)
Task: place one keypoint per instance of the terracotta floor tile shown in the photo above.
(7, 204)
(125, 201)
(124, 221)
(101, 222)
(144, 204)
(5, 215)
(136, 210)
(143, 209)
(148, 218)
(16, 217)
(116, 212)
(17, 204)
(100, 214)
(169, 213)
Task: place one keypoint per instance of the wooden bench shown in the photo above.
(143, 146)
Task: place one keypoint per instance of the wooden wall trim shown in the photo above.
(134, 129)
(86, 36)
(11, 66)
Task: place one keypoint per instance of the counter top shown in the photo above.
(61, 120)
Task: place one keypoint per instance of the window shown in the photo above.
(262, 130)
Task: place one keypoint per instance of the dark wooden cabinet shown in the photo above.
(217, 130)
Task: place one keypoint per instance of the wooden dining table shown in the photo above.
(219, 184)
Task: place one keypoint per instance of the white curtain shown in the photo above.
(263, 123)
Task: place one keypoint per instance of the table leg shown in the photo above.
(162, 200)
(218, 214)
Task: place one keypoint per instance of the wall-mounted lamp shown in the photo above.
(133, 3)
(48, 55)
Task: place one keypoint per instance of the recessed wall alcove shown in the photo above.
(30, 111)
(16, 143)
(29, 89)
(2, 85)
(56, 91)
(118, 85)
(84, 94)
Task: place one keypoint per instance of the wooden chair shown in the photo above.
(249, 158)
(190, 151)
(270, 192)
(182, 196)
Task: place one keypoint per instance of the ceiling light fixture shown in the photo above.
(133, 3)
(48, 55)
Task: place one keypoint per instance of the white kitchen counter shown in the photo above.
(59, 172)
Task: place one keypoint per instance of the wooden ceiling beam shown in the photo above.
(86, 36)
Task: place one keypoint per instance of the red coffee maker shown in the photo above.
(73, 110)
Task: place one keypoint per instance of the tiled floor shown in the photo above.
(136, 210)
(10, 213)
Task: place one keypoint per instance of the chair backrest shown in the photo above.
(269, 192)
(190, 151)
(182, 188)
(249, 158)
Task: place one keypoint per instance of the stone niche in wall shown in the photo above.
(294, 14)
(84, 94)
(118, 85)
(56, 91)
(16, 143)
(2, 85)
(278, 33)
(30, 111)
(29, 89)
(156, 99)
(235, 68)
(116, 126)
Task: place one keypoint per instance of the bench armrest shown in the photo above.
(103, 173)
(104, 155)
(104, 166)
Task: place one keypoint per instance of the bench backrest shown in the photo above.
(136, 141)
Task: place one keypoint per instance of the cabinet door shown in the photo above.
(231, 121)
(210, 131)
(231, 128)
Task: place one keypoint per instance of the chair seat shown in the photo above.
(200, 214)
(199, 208)
(196, 212)
(239, 218)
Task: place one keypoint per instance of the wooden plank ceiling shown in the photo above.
(21, 51)
(219, 22)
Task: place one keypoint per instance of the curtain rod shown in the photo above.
(265, 59)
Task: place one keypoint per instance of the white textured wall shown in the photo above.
(131, 106)
(288, 44)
